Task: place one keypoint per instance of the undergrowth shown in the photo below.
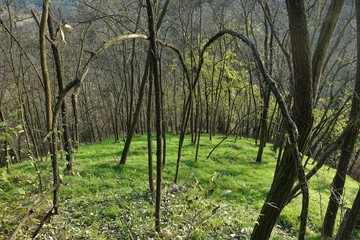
(215, 198)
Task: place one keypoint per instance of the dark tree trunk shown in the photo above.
(263, 126)
(337, 185)
(149, 140)
(347, 150)
(135, 118)
(163, 120)
(158, 123)
(285, 175)
(350, 220)
(131, 130)
(268, 45)
(74, 103)
(199, 130)
(4, 147)
(60, 78)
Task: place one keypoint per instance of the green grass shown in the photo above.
(219, 198)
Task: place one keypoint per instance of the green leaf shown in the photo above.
(5, 136)
(21, 191)
(4, 177)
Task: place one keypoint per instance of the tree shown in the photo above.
(48, 102)
(305, 91)
(347, 149)
(285, 174)
(135, 118)
(268, 46)
(60, 77)
(350, 220)
(155, 73)
(4, 147)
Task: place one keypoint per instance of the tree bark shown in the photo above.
(74, 104)
(158, 123)
(60, 78)
(149, 137)
(350, 220)
(141, 95)
(49, 114)
(322, 45)
(268, 46)
(285, 175)
(263, 125)
(4, 147)
(337, 185)
(135, 118)
(347, 149)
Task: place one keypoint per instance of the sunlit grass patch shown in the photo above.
(216, 197)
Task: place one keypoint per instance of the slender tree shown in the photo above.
(4, 146)
(268, 48)
(135, 118)
(149, 135)
(60, 77)
(350, 220)
(158, 124)
(52, 135)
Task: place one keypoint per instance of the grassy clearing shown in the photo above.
(216, 198)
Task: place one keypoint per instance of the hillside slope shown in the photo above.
(216, 198)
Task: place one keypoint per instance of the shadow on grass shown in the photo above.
(101, 169)
(100, 155)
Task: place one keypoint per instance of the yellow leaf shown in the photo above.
(67, 26)
(62, 35)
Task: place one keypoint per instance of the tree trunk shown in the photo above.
(49, 114)
(263, 126)
(285, 175)
(163, 120)
(268, 46)
(322, 45)
(149, 137)
(338, 182)
(60, 78)
(4, 147)
(351, 217)
(131, 130)
(347, 149)
(199, 129)
(155, 73)
(74, 103)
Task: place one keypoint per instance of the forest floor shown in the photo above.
(216, 198)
